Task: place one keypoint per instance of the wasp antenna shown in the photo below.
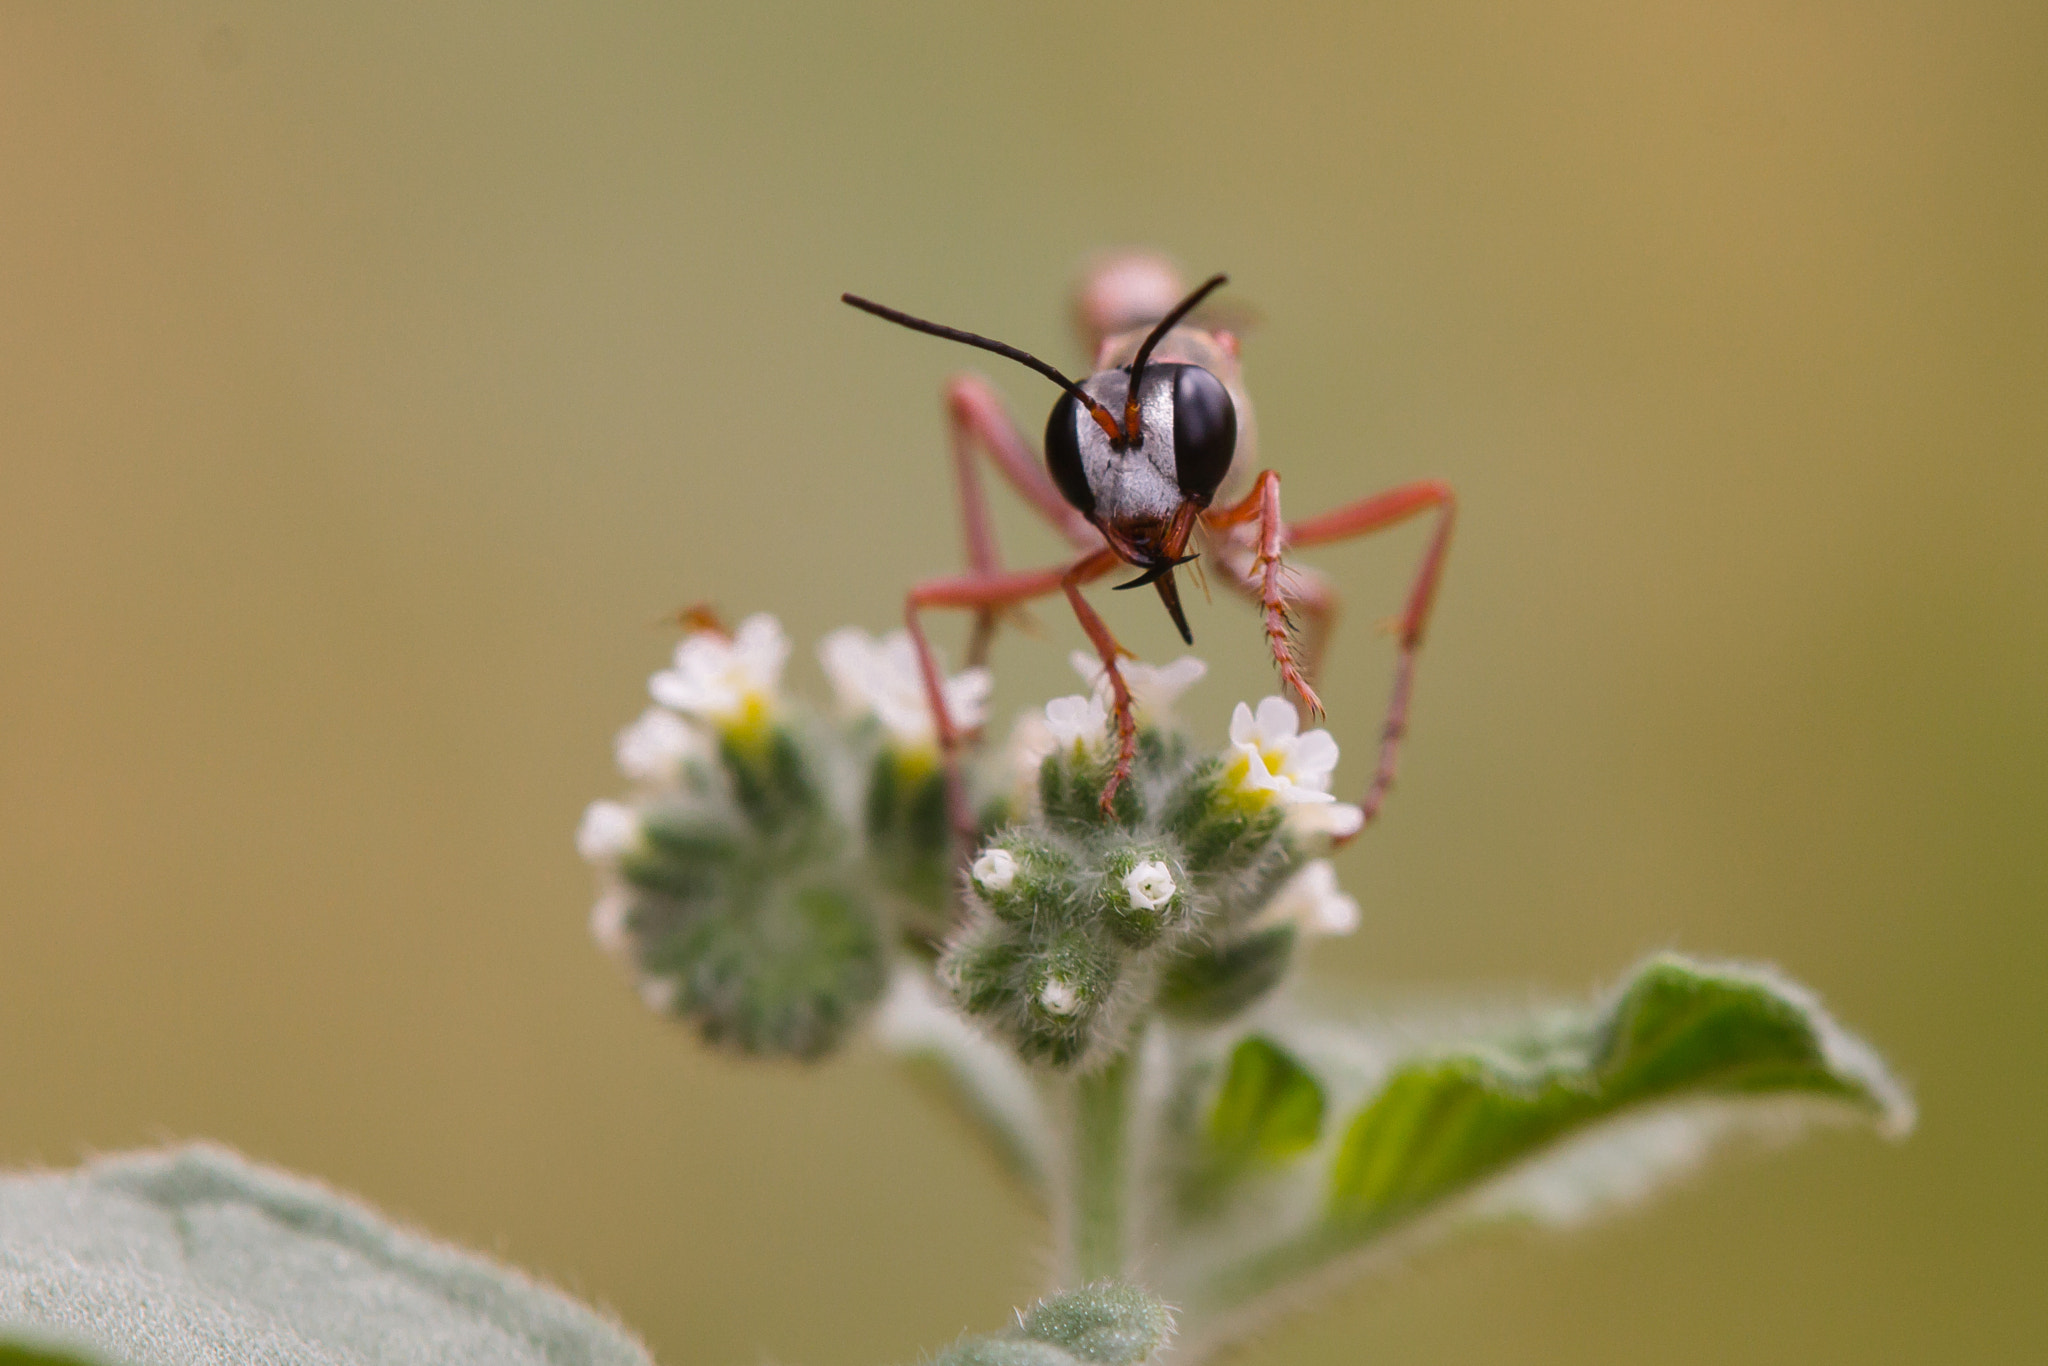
(1159, 330)
(1095, 409)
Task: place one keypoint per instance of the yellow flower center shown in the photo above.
(1250, 795)
(749, 726)
(915, 763)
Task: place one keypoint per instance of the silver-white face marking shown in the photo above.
(1138, 482)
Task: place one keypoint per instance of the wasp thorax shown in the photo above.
(1187, 428)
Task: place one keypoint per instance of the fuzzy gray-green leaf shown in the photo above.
(195, 1256)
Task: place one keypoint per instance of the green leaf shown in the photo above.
(195, 1255)
(1676, 1031)
(1269, 1109)
(1575, 1112)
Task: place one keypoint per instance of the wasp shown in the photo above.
(1149, 462)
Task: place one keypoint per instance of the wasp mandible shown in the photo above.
(1136, 457)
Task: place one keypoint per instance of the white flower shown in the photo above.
(728, 681)
(1030, 741)
(1058, 997)
(1149, 885)
(1331, 820)
(1077, 722)
(1312, 902)
(654, 747)
(995, 870)
(882, 678)
(1268, 760)
(608, 922)
(1154, 689)
(661, 993)
(609, 831)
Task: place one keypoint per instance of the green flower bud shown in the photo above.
(909, 835)
(1108, 1323)
(775, 782)
(1220, 834)
(1142, 894)
(1069, 979)
(1070, 785)
(1047, 993)
(1104, 1324)
(1206, 983)
(1027, 880)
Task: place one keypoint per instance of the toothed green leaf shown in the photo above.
(1575, 1112)
(1269, 1109)
(1677, 1031)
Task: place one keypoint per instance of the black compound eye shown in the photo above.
(1204, 432)
(1063, 455)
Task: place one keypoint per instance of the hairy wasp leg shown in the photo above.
(1263, 505)
(1362, 518)
(1311, 602)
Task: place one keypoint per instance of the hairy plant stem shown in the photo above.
(1101, 1175)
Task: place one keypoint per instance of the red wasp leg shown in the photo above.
(984, 558)
(1360, 519)
(993, 593)
(1308, 593)
(1106, 648)
(975, 415)
(1263, 503)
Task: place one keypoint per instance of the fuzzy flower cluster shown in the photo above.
(1188, 895)
(752, 859)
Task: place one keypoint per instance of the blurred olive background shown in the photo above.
(375, 378)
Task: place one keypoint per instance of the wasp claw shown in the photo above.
(1151, 575)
